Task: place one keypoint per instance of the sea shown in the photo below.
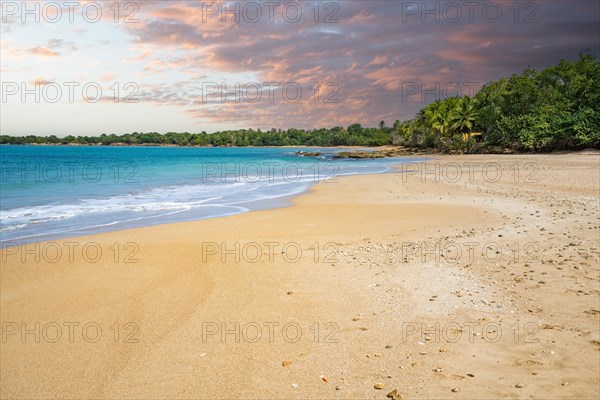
(56, 192)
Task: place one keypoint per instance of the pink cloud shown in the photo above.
(41, 81)
(43, 52)
(367, 50)
(379, 59)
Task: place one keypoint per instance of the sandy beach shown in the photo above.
(465, 277)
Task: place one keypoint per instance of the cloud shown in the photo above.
(41, 81)
(43, 52)
(61, 44)
(364, 51)
(370, 54)
(107, 77)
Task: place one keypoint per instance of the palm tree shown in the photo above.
(464, 115)
(440, 122)
(443, 116)
(430, 116)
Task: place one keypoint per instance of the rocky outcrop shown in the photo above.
(379, 153)
(308, 153)
(366, 154)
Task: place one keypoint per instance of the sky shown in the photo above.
(93, 67)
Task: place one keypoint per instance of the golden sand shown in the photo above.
(482, 285)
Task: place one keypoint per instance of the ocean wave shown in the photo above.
(176, 194)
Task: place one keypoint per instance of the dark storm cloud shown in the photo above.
(374, 50)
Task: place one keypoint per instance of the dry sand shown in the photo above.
(464, 288)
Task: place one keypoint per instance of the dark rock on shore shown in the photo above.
(308, 153)
(359, 154)
(366, 154)
(379, 153)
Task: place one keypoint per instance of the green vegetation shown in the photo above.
(554, 109)
(355, 135)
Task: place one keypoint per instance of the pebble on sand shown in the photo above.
(287, 363)
(379, 386)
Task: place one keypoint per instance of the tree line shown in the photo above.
(354, 135)
(557, 108)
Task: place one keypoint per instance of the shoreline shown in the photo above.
(275, 202)
(358, 278)
(278, 202)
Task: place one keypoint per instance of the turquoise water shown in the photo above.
(52, 192)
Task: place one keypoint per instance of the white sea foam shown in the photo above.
(72, 213)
